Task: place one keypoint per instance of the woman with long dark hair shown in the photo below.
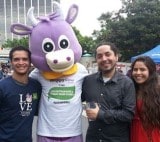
(146, 123)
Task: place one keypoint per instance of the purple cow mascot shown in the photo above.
(55, 55)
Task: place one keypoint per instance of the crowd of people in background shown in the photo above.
(5, 70)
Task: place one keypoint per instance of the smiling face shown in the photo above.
(140, 72)
(20, 62)
(106, 59)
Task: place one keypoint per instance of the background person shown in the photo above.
(146, 123)
(19, 96)
(115, 95)
(4, 71)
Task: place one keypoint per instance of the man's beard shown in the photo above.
(107, 71)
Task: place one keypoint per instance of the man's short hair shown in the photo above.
(19, 48)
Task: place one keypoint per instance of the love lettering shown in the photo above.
(26, 104)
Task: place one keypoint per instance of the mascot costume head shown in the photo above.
(53, 44)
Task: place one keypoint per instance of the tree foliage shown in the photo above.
(134, 28)
(16, 42)
(87, 43)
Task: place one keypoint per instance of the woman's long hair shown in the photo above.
(150, 113)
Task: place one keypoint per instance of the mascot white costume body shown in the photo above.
(55, 53)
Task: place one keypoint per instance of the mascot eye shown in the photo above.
(63, 42)
(48, 45)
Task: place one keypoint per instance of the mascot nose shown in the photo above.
(55, 61)
(68, 58)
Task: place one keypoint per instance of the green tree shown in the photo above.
(87, 43)
(16, 42)
(134, 28)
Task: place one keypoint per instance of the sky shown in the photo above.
(89, 10)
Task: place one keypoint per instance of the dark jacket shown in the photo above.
(116, 100)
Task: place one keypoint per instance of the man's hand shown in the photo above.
(92, 112)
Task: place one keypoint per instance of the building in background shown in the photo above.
(15, 11)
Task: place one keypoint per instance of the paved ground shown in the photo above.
(84, 127)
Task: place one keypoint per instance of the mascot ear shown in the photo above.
(20, 29)
(72, 13)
